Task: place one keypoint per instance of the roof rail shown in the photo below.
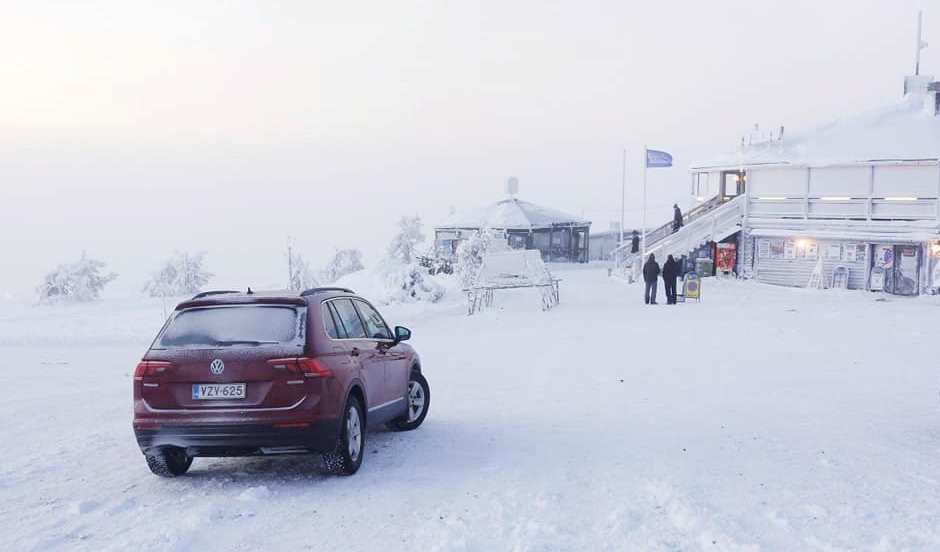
(311, 291)
(214, 292)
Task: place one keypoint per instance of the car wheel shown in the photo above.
(419, 400)
(346, 458)
(168, 461)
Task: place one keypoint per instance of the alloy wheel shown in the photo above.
(415, 400)
(353, 433)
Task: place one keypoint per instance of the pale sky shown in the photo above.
(132, 129)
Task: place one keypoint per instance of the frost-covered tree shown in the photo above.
(405, 279)
(470, 253)
(405, 243)
(345, 261)
(301, 276)
(81, 280)
(181, 274)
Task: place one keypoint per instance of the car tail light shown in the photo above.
(309, 367)
(150, 368)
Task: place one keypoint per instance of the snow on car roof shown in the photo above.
(903, 131)
(512, 214)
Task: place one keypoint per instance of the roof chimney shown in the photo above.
(512, 186)
(921, 91)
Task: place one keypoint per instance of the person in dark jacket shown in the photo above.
(635, 242)
(676, 218)
(651, 277)
(670, 272)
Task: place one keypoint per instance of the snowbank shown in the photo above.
(392, 283)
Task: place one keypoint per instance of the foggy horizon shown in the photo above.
(131, 132)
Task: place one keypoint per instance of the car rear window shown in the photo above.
(233, 326)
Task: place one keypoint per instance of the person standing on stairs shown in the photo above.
(676, 218)
(670, 272)
(651, 277)
(635, 242)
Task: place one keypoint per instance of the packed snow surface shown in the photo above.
(763, 418)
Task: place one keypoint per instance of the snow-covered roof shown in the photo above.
(512, 214)
(904, 131)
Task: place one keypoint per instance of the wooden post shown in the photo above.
(938, 194)
(806, 194)
(551, 241)
(587, 244)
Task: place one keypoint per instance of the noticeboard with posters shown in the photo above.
(789, 250)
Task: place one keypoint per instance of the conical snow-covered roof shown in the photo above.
(512, 214)
(907, 130)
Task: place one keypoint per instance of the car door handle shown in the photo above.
(355, 351)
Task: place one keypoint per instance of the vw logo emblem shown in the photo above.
(217, 367)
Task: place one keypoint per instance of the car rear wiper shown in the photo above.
(243, 342)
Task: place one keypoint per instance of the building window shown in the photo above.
(700, 186)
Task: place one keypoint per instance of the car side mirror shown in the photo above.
(402, 334)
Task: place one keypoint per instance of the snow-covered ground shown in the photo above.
(762, 418)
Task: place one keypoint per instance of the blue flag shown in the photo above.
(656, 158)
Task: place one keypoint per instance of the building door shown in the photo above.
(906, 269)
(732, 184)
(900, 265)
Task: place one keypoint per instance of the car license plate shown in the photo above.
(218, 391)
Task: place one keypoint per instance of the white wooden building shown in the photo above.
(859, 196)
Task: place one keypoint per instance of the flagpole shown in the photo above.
(623, 193)
(645, 164)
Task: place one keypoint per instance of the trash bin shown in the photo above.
(704, 267)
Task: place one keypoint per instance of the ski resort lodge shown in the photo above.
(559, 237)
(850, 204)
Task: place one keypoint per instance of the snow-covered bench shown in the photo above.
(513, 269)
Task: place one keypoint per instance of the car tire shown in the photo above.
(168, 461)
(346, 458)
(419, 401)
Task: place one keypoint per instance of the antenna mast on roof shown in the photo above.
(921, 43)
(512, 186)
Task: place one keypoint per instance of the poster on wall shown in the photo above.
(812, 250)
(763, 249)
(726, 256)
(884, 256)
(849, 253)
(776, 249)
(861, 252)
(789, 250)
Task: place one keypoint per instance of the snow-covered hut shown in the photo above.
(856, 201)
(559, 236)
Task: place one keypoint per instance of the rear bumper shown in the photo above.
(241, 439)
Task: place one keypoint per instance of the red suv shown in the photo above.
(243, 374)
